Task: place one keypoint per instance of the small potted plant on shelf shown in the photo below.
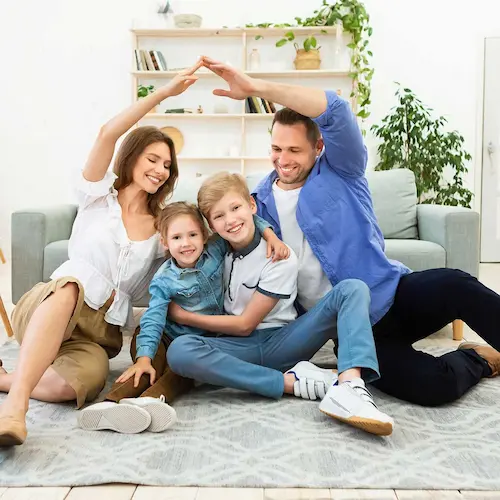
(145, 90)
(307, 57)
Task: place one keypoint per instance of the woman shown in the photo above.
(70, 327)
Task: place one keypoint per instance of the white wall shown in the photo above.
(65, 70)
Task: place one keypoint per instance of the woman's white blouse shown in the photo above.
(103, 258)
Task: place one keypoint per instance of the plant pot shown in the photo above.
(307, 59)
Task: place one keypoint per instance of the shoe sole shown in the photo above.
(473, 345)
(366, 424)
(9, 439)
(162, 416)
(125, 419)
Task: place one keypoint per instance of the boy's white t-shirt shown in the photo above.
(249, 270)
(313, 283)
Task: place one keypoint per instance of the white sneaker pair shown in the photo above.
(129, 416)
(350, 402)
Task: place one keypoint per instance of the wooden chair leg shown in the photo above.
(458, 329)
(5, 319)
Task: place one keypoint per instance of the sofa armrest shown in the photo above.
(32, 230)
(456, 229)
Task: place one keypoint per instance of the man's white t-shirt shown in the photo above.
(313, 284)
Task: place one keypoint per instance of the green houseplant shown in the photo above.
(145, 90)
(354, 19)
(412, 138)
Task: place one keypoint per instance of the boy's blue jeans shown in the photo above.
(256, 363)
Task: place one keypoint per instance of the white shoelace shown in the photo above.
(308, 388)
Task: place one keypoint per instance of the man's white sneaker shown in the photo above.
(352, 403)
(312, 382)
(127, 419)
(163, 415)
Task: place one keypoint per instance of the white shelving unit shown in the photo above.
(248, 133)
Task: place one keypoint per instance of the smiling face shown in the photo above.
(293, 155)
(152, 168)
(185, 240)
(232, 218)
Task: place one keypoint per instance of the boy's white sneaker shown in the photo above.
(312, 382)
(162, 414)
(351, 402)
(127, 419)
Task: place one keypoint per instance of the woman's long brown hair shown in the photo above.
(130, 150)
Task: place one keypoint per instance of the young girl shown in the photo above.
(69, 327)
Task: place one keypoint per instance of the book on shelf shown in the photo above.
(259, 105)
(150, 60)
(137, 58)
(155, 62)
(162, 61)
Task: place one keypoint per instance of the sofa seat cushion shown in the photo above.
(418, 255)
(54, 255)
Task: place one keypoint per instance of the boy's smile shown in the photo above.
(232, 218)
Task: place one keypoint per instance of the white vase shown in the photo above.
(254, 60)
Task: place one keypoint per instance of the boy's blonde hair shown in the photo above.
(174, 210)
(217, 186)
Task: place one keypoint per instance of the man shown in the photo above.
(320, 204)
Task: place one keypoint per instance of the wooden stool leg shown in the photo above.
(458, 329)
(5, 319)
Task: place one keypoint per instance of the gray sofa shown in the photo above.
(420, 236)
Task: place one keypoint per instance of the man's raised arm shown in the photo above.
(345, 151)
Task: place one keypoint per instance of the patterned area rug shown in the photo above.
(229, 438)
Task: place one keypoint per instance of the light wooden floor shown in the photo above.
(131, 492)
(489, 274)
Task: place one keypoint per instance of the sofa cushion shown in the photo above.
(187, 188)
(418, 255)
(54, 255)
(394, 194)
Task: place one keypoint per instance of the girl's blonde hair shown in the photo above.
(174, 210)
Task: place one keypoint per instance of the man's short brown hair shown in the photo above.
(287, 116)
(217, 186)
(174, 210)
